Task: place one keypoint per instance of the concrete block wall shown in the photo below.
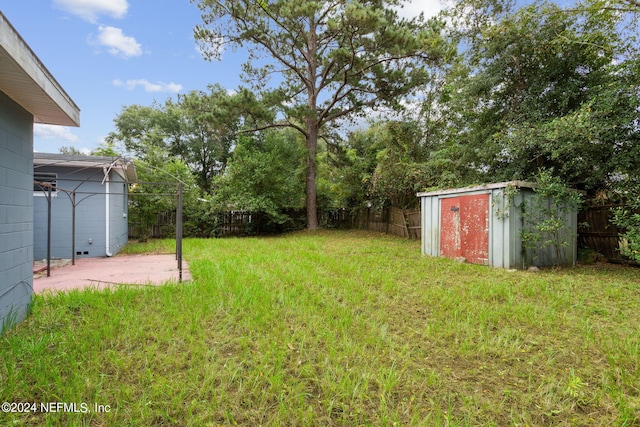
(16, 212)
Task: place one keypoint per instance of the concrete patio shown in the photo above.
(150, 270)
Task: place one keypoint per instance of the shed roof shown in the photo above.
(125, 167)
(516, 184)
(27, 81)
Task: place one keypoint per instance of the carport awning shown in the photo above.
(124, 167)
(26, 80)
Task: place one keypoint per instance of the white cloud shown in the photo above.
(91, 9)
(54, 132)
(118, 44)
(148, 86)
(412, 8)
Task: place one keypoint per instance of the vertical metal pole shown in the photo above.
(179, 231)
(49, 233)
(73, 228)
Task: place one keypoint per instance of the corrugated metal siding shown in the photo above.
(499, 226)
(505, 225)
(544, 256)
(430, 226)
(16, 207)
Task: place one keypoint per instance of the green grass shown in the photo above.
(334, 329)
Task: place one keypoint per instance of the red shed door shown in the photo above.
(464, 228)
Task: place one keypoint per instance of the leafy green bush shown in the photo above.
(628, 219)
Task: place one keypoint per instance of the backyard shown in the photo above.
(331, 328)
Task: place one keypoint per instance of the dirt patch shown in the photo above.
(40, 267)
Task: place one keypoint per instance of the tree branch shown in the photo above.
(274, 125)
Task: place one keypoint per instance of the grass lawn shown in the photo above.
(334, 329)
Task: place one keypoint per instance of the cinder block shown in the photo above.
(3, 214)
(20, 257)
(6, 262)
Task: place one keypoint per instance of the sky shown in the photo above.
(109, 54)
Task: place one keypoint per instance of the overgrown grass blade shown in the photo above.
(334, 329)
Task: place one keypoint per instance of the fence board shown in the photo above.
(414, 223)
(397, 223)
(600, 234)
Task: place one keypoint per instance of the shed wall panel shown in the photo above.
(499, 230)
(430, 226)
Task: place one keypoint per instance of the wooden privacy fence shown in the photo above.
(596, 231)
(235, 223)
(399, 222)
(164, 226)
(230, 223)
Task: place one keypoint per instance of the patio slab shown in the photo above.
(101, 273)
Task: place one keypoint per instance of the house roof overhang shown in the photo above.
(26, 80)
(124, 167)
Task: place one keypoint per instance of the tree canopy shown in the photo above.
(265, 175)
(198, 127)
(546, 88)
(332, 60)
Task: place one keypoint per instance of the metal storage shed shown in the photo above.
(488, 225)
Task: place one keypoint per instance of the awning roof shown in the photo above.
(27, 81)
(120, 165)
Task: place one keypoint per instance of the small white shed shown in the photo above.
(501, 225)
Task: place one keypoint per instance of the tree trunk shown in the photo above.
(312, 127)
(312, 144)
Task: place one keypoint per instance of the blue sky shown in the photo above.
(108, 54)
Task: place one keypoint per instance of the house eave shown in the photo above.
(25, 79)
